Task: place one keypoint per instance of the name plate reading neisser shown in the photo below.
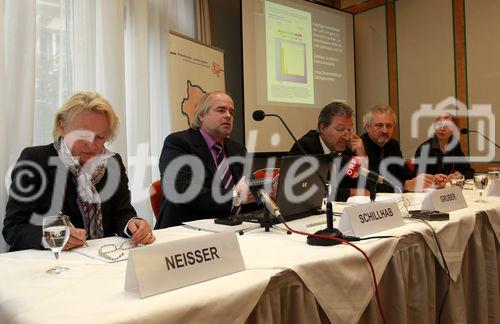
(370, 218)
(158, 268)
(444, 200)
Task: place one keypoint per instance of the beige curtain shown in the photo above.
(203, 22)
(17, 87)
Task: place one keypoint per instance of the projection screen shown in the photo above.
(297, 57)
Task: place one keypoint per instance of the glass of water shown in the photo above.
(55, 235)
(480, 181)
(493, 174)
(458, 182)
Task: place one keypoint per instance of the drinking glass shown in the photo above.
(458, 182)
(56, 234)
(493, 174)
(480, 181)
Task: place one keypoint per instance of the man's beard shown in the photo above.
(382, 140)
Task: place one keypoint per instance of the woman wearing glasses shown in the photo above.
(443, 151)
(77, 176)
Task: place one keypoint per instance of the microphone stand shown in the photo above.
(473, 131)
(266, 221)
(372, 188)
(329, 230)
(289, 132)
(268, 224)
(325, 187)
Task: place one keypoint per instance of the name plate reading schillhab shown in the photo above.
(370, 218)
(158, 268)
(444, 200)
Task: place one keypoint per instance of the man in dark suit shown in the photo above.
(335, 136)
(198, 177)
(385, 156)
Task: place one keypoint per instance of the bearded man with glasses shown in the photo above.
(385, 156)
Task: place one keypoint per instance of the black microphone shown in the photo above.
(466, 131)
(373, 176)
(330, 231)
(259, 115)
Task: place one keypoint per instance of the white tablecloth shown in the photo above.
(335, 279)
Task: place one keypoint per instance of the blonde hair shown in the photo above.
(85, 101)
(204, 105)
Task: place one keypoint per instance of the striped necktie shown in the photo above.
(226, 176)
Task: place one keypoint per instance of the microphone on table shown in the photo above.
(330, 231)
(465, 131)
(354, 170)
(270, 204)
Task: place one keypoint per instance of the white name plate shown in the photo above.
(370, 218)
(444, 200)
(158, 268)
(494, 188)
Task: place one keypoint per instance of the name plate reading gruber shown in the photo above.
(158, 268)
(444, 200)
(370, 218)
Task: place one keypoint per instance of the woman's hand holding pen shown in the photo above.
(76, 238)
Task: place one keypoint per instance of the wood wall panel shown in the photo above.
(425, 64)
(371, 61)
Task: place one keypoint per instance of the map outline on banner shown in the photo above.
(190, 102)
(195, 68)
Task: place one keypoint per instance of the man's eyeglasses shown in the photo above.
(344, 130)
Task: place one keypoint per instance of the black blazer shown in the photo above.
(183, 144)
(19, 230)
(441, 166)
(311, 144)
(376, 154)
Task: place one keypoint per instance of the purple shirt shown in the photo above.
(210, 143)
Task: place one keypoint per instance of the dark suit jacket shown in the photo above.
(377, 154)
(186, 143)
(20, 232)
(311, 144)
(440, 166)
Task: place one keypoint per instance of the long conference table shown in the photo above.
(285, 280)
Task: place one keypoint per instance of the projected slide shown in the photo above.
(289, 54)
(298, 56)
